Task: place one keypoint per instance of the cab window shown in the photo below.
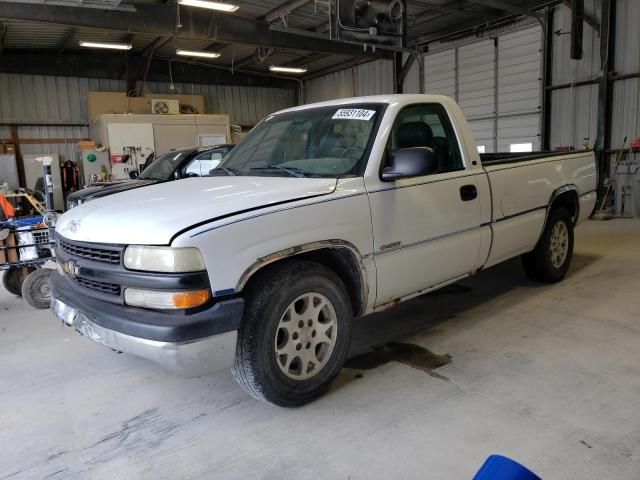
(203, 164)
(426, 125)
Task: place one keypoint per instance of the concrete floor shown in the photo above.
(549, 375)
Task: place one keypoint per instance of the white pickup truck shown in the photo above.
(325, 212)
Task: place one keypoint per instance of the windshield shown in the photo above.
(164, 166)
(316, 142)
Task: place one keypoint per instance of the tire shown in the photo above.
(12, 280)
(36, 290)
(550, 260)
(267, 363)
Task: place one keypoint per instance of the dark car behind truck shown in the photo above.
(173, 165)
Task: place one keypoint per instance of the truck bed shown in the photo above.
(499, 158)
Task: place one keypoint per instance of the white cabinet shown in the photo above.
(133, 137)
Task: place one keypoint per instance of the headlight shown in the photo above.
(163, 259)
(165, 300)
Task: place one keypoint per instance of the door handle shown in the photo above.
(468, 192)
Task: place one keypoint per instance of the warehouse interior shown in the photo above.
(93, 93)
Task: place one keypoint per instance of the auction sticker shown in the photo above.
(353, 114)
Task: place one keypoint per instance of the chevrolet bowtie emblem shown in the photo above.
(71, 268)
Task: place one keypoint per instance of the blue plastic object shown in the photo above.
(22, 222)
(498, 467)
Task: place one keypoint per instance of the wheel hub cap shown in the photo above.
(306, 336)
(559, 246)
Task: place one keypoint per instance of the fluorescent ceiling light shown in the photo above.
(112, 46)
(191, 53)
(274, 68)
(223, 7)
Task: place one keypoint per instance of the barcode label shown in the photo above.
(353, 114)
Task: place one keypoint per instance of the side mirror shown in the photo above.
(411, 162)
(133, 174)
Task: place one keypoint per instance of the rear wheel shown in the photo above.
(550, 260)
(36, 289)
(13, 279)
(295, 334)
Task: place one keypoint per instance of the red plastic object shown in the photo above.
(635, 145)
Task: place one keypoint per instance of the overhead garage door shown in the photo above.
(442, 76)
(497, 82)
(519, 88)
(476, 91)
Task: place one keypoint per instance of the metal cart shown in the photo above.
(27, 264)
(24, 251)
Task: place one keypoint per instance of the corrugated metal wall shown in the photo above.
(38, 99)
(574, 110)
(44, 99)
(372, 78)
(496, 81)
(519, 88)
(442, 79)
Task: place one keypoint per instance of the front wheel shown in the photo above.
(550, 260)
(295, 334)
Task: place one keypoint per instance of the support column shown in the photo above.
(605, 91)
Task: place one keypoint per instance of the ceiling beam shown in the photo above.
(243, 62)
(110, 65)
(306, 60)
(156, 19)
(282, 10)
(508, 7)
(67, 37)
(3, 34)
(215, 47)
(459, 29)
(454, 9)
(159, 42)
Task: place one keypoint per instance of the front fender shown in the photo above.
(236, 247)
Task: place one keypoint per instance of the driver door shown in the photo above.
(425, 228)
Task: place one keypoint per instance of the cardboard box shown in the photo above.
(86, 145)
(8, 255)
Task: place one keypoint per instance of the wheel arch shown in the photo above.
(340, 256)
(566, 196)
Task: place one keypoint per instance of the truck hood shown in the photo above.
(99, 191)
(154, 214)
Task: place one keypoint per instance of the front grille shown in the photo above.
(104, 287)
(97, 254)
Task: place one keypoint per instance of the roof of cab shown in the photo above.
(390, 98)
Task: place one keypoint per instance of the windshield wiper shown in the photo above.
(294, 172)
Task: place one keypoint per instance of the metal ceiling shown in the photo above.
(425, 20)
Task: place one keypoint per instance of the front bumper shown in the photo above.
(186, 346)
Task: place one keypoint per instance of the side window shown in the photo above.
(426, 125)
(203, 164)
